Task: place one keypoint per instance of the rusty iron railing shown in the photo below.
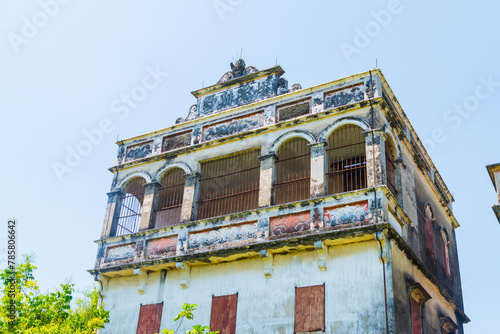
(293, 171)
(170, 195)
(229, 184)
(130, 207)
(346, 160)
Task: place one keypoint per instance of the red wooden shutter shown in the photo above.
(223, 315)
(310, 309)
(149, 319)
(416, 317)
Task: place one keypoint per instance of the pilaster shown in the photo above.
(149, 205)
(375, 157)
(188, 210)
(112, 213)
(266, 179)
(318, 169)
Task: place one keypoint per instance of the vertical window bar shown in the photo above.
(346, 160)
(131, 206)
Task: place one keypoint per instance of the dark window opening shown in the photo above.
(429, 229)
(293, 171)
(229, 184)
(390, 169)
(346, 160)
(168, 209)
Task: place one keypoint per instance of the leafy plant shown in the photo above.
(46, 313)
(187, 313)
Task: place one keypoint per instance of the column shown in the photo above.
(112, 213)
(375, 157)
(149, 205)
(319, 162)
(266, 179)
(188, 210)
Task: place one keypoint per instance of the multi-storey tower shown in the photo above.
(282, 210)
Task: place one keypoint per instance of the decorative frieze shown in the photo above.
(139, 151)
(223, 235)
(176, 141)
(290, 111)
(234, 126)
(161, 246)
(346, 214)
(243, 94)
(122, 252)
(290, 223)
(345, 95)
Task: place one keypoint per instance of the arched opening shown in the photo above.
(346, 160)
(390, 167)
(229, 184)
(293, 171)
(131, 206)
(170, 195)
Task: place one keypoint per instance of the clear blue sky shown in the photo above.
(62, 72)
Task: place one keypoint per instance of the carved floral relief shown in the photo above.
(223, 235)
(346, 214)
(234, 126)
(290, 223)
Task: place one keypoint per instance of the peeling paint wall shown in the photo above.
(353, 285)
(404, 273)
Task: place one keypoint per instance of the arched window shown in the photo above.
(390, 167)
(429, 228)
(168, 208)
(446, 251)
(229, 184)
(293, 171)
(131, 206)
(346, 160)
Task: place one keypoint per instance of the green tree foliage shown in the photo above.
(187, 313)
(46, 313)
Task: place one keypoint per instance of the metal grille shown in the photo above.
(131, 206)
(390, 169)
(346, 160)
(229, 184)
(293, 171)
(168, 210)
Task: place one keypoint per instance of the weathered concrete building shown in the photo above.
(494, 171)
(282, 210)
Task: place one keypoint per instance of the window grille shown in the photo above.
(293, 171)
(168, 209)
(131, 206)
(346, 160)
(229, 184)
